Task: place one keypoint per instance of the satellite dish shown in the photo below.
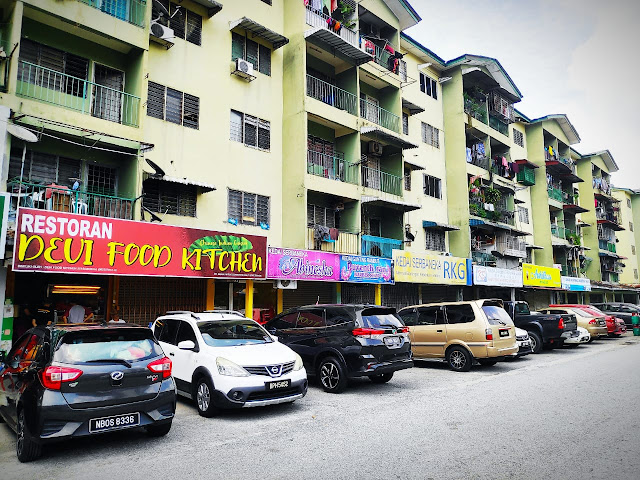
(161, 8)
(156, 168)
(21, 133)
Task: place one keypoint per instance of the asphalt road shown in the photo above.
(562, 414)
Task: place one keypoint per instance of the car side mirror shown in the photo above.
(275, 339)
(186, 345)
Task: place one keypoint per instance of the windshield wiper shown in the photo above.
(110, 360)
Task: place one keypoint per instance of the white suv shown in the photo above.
(224, 360)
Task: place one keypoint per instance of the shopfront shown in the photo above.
(490, 282)
(543, 285)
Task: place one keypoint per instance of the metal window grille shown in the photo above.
(177, 20)
(171, 198)
(155, 100)
(193, 32)
(429, 86)
(43, 167)
(248, 208)
(264, 134)
(236, 126)
(258, 55)
(173, 105)
(405, 123)
(518, 137)
(523, 214)
(173, 112)
(434, 240)
(319, 215)
(432, 186)
(430, 135)
(265, 60)
(101, 180)
(250, 131)
(191, 116)
(407, 180)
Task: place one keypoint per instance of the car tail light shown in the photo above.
(403, 330)
(162, 365)
(53, 377)
(592, 321)
(561, 324)
(489, 334)
(366, 332)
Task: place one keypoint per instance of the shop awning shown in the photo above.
(489, 225)
(377, 133)
(275, 39)
(389, 202)
(412, 107)
(211, 6)
(206, 187)
(438, 225)
(338, 45)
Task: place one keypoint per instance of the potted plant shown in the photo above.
(492, 195)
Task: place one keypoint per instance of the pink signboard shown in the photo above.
(289, 264)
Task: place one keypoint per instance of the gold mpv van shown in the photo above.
(461, 332)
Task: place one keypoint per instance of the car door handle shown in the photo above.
(439, 331)
(171, 353)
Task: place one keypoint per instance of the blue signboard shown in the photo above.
(365, 269)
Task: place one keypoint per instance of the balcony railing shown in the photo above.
(606, 245)
(77, 94)
(347, 242)
(476, 109)
(317, 18)
(555, 193)
(383, 181)
(381, 56)
(331, 167)
(62, 199)
(569, 271)
(331, 95)
(562, 232)
(609, 216)
(496, 124)
(511, 246)
(497, 213)
(483, 258)
(379, 116)
(481, 161)
(132, 11)
(379, 246)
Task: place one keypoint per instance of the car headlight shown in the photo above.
(227, 367)
(298, 365)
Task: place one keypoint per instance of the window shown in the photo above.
(317, 215)
(258, 55)
(252, 131)
(432, 186)
(268, 2)
(523, 214)
(284, 322)
(635, 273)
(430, 316)
(408, 317)
(185, 24)
(166, 331)
(311, 319)
(435, 240)
(518, 137)
(248, 208)
(460, 314)
(169, 197)
(405, 123)
(173, 106)
(628, 202)
(101, 179)
(429, 86)
(631, 226)
(185, 332)
(430, 135)
(633, 249)
(407, 179)
(43, 168)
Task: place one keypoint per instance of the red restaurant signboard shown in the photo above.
(58, 242)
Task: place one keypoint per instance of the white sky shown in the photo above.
(565, 56)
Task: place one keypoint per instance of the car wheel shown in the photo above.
(158, 430)
(382, 378)
(332, 376)
(459, 359)
(536, 342)
(487, 363)
(26, 449)
(204, 397)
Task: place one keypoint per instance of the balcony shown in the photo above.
(609, 219)
(382, 181)
(606, 245)
(379, 116)
(511, 247)
(131, 11)
(555, 193)
(498, 125)
(563, 233)
(319, 19)
(347, 243)
(379, 246)
(331, 167)
(569, 271)
(331, 95)
(476, 109)
(62, 199)
(495, 213)
(77, 94)
(483, 258)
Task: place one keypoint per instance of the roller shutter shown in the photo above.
(400, 295)
(309, 293)
(439, 293)
(355, 293)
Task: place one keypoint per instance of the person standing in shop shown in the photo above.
(77, 314)
(45, 314)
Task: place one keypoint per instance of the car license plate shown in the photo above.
(392, 341)
(114, 423)
(504, 333)
(279, 385)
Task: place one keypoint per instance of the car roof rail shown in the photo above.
(234, 312)
(186, 312)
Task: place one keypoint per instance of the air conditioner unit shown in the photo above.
(244, 69)
(375, 148)
(160, 31)
(286, 284)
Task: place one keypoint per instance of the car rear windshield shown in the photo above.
(231, 333)
(378, 317)
(595, 310)
(106, 345)
(521, 309)
(582, 313)
(497, 315)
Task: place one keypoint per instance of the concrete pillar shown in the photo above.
(279, 300)
(248, 299)
(378, 297)
(513, 294)
(338, 293)
(211, 293)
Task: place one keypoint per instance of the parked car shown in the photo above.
(576, 337)
(524, 342)
(338, 342)
(68, 380)
(544, 329)
(224, 360)
(622, 327)
(612, 326)
(595, 325)
(461, 332)
(621, 310)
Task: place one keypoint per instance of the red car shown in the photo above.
(614, 329)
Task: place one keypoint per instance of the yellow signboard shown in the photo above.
(537, 276)
(424, 268)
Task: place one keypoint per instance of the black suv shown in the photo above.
(338, 342)
(73, 380)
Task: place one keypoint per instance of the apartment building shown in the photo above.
(628, 239)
